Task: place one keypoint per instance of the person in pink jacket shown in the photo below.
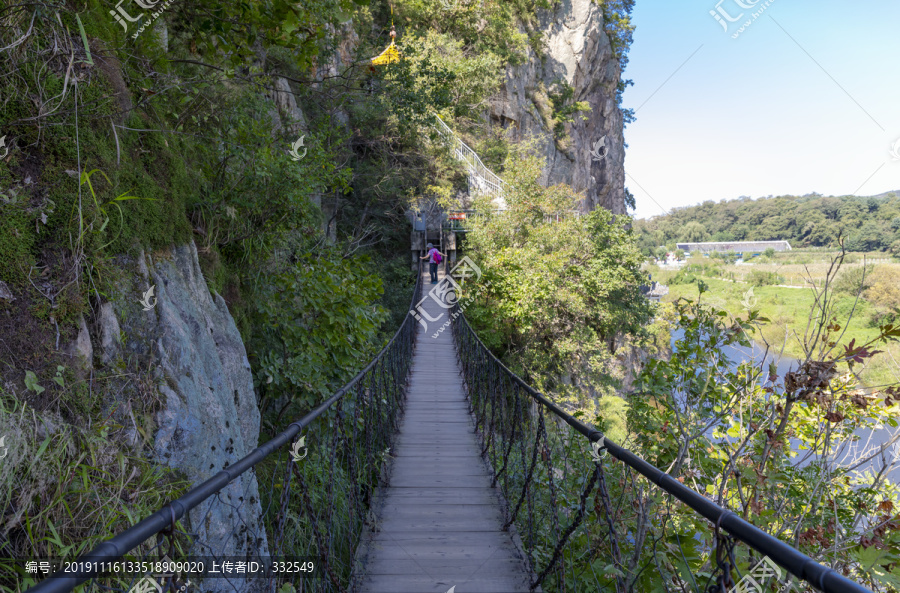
(434, 257)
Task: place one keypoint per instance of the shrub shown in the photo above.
(884, 292)
(880, 317)
(852, 281)
(729, 257)
(611, 417)
(760, 278)
(895, 249)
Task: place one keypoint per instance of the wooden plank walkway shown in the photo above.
(438, 523)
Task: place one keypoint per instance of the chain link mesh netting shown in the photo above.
(592, 516)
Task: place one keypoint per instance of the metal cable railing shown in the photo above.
(317, 504)
(481, 179)
(553, 472)
(460, 220)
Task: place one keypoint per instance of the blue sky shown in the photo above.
(806, 99)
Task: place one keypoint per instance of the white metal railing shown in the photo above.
(481, 180)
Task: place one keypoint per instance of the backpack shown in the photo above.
(436, 257)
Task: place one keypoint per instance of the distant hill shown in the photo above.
(866, 223)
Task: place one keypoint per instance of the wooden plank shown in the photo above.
(429, 409)
(437, 414)
(419, 584)
(443, 540)
(457, 497)
(436, 452)
(430, 447)
(415, 512)
(440, 481)
(460, 567)
(459, 470)
(428, 442)
(390, 550)
(462, 429)
(459, 408)
(438, 522)
(448, 525)
(411, 462)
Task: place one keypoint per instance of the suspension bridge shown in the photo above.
(438, 469)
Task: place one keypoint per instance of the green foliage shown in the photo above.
(316, 321)
(883, 287)
(59, 487)
(894, 249)
(711, 423)
(437, 73)
(101, 210)
(853, 281)
(727, 257)
(31, 382)
(620, 30)
(695, 232)
(17, 239)
(760, 278)
(489, 27)
(612, 417)
(233, 32)
(690, 273)
(564, 109)
(554, 294)
(59, 379)
(812, 220)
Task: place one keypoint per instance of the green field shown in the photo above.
(788, 308)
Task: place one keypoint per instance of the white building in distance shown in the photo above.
(735, 246)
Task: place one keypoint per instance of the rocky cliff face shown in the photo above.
(577, 54)
(209, 417)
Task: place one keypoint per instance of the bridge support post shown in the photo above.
(417, 249)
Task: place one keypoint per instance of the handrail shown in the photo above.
(797, 563)
(168, 515)
(481, 179)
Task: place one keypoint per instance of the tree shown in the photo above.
(555, 296)
(712, 424)
(871, 237)
(695, 232)
(895, 249)
(895, 224)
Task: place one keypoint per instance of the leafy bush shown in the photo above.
(880, 317)
(689, 273)
(852, 281)
(701, 418)
(612, 417)
(316, 320)
(684, 277)
(560, 292)
(729, 257)
(761, 278)
(895, 249)
(883, 287)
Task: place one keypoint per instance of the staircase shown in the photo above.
(481, 180)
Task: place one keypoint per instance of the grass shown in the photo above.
(788, 310)
(66, 489)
